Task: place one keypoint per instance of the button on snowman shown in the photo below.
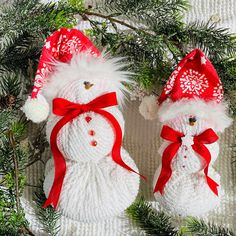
(192, 112)
(91, 177)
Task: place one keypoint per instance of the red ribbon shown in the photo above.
(167, 133)
(69, 111)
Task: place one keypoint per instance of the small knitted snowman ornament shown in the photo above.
(192, 112)
(91, 177)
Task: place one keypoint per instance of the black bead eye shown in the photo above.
(87, 85)
(192, 120)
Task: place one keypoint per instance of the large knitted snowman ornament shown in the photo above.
(192, 112)
(91, 177)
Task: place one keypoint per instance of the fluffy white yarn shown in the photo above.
(187, 192)
(36, 109)
(95, 191)
(211, 111)
(148, 107)
(105, 73)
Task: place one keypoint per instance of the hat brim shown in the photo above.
(216, 113)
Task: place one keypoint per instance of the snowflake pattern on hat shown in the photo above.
(218, 92)
(40, 77)
(192, 82)
(170, 83)
(194, 77)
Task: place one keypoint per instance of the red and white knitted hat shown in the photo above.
(194, 77)
(194, 88)
(60, 47)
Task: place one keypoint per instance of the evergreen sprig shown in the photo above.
(155, 37)
(151, 221)
(13, 155)
(210, 39)
(48, 217)
(199, 227)
(146, 12)
(10, 90)
(158, 223)
(24, 27)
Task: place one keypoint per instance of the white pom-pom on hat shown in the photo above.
(36, 109)
(149, 107)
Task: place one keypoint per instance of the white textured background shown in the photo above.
(142, 141)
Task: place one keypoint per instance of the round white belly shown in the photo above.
(95, 191)
(188, 194)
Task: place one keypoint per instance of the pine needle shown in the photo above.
(48, 217)
(148, 219)
(199, 228)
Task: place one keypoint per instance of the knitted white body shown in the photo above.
(95, 187)
(186, 192)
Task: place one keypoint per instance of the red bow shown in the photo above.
(69, 111)
(207, 137)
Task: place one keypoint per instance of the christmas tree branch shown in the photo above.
(159, 42)
(199, 227)
(158, 223)
(24, 230)
(151, 221)
(113, 20)
(47, 216)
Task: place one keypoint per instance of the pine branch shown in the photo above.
(10, 89)
(12, 157)
(159, 44)
(86, 13)
(215, 42)
(48, 217)
(151, 221)
(158, 223)
(146, 12)
(9, 39)
(24, 27)
(199, 227)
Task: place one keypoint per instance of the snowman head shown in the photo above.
(87, 77)
(194, 90)
(71, 67)
(194, 115)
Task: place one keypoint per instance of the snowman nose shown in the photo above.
(87, 85)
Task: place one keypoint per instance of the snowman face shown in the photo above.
(84, 90)
(190, 124)
(86, 78)
(208, 114)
